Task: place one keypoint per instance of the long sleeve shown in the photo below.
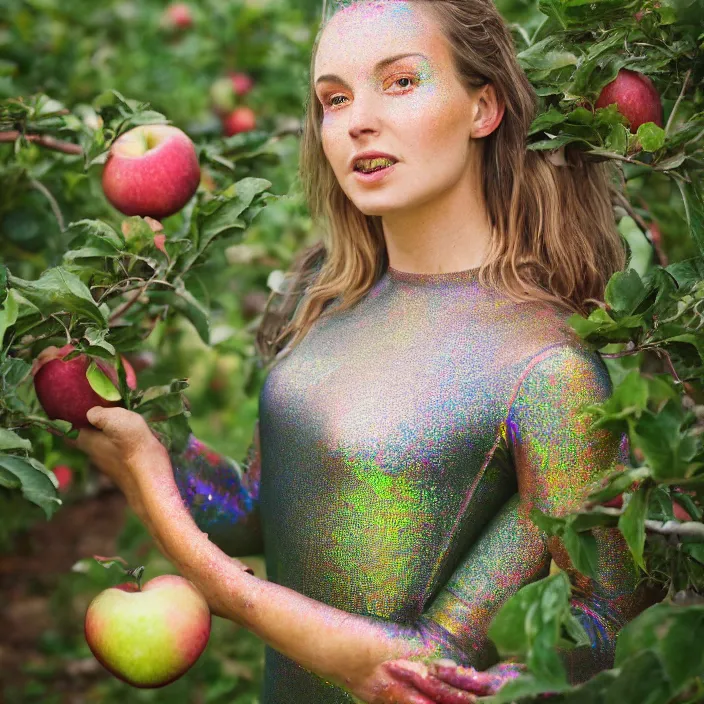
(556, 457)
(221, 495)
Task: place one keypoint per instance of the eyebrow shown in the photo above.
(333, 78)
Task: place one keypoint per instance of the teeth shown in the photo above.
(371, 164)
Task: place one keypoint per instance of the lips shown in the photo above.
(371, 155)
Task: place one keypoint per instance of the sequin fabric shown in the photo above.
(403, 444)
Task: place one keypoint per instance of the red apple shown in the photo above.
(149, 637)
(179, 15)
(241, 82)
(64, 475)
(63, 390)
(152, 170)
(239, 120)
(635, 96)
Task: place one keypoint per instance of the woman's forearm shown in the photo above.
(340, 647)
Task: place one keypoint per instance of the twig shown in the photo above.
(661, 352)
(690, 529)
(43, 141)
(52, 201)
(120, 310)
(677, 103)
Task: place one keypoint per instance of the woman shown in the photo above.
(429, 392)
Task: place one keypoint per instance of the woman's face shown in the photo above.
(413, 108)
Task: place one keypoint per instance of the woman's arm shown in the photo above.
(558, 456)
(221, 495)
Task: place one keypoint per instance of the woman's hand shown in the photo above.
(444, 682)
(122, 447)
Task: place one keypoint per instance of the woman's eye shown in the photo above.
(412, 80)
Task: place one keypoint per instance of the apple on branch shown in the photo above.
(67, 390)
(239, 120)
(636, 98)
(178, 16)
(64, 476)
(152, 171)
(241, 82)
(150, 635)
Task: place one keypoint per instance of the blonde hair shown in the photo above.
(554, 232)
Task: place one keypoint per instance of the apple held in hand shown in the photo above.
(152, 170)
(65, 391)
(151, 636)
(239, 120)
(635, 96)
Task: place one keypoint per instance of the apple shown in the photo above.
(222, 96)
(178, 15)
(151, 636)
(64, 475)
(63, 389)
(635, 96)
(152, 170)
(241, 82)
(239, 120)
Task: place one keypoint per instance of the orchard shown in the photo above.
(149, 209)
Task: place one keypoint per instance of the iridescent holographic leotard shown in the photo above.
(402, 445)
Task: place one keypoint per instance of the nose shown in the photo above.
(364, 116)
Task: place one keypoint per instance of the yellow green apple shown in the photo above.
(148, 636)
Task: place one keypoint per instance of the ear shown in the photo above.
(488, 111)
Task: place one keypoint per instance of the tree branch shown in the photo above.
(690, 529)
(43, 141)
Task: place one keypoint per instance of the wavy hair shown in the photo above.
(554, 235)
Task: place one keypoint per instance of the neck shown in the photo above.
(449, 233)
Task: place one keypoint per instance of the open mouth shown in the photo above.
(370, 166)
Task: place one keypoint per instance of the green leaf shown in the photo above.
(642, 680)
(548, 119)
(618, 483)
(58, 290)
(581, 548)
(529, 624)
(632, 524)
(8, 314)
(687, 272)
(37, 484)
(97, 231)
(11, 441)
(694, 210)
(96, 338)
(625, 291)
(101, 384)
(548, 54)
(226, 217)
(667, 448)
(674, 633)
(650, 136)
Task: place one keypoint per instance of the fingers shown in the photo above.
(466, 678)
(471, 680)
(403, 693)
(419, 676)
(120, 424)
